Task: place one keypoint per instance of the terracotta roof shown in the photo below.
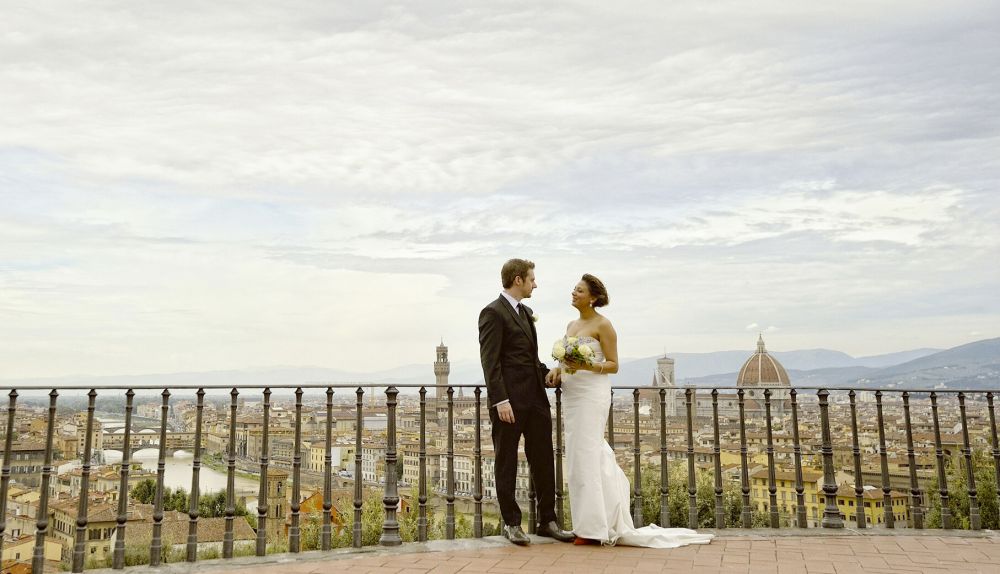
(808, 475)
(847, 489)
(176, 531)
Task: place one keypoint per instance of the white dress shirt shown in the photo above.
(513, 302)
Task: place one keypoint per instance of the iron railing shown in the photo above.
(831, 518)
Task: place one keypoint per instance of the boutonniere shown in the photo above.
(534, 318)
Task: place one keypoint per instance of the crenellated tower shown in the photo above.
(442, 368)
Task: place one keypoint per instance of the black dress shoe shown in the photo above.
(551, 530)
(516, 535)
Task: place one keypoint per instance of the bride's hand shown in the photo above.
(578, 365)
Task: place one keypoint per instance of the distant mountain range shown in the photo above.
(974, 365)
(971, 366)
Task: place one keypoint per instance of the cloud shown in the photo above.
(192, 186)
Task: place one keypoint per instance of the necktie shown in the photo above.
(523, 315)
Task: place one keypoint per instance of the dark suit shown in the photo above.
(508, 349)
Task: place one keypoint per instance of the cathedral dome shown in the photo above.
(762, 369)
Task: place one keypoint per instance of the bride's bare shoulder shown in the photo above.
(605, 325)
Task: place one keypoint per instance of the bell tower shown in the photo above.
(277, 503)
(663, 377)
(442, 368)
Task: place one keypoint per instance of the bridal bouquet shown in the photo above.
(570, 348)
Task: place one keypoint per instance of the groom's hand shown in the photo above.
(506, 413)
(552, 378)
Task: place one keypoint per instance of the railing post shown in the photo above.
(118, 560)
(79, 548)
(42, 525)
(477, 495)
(859, 487)
(358, 477)
(5, 472)
(720, 516)
(227, 537)
(664, 469)
(156, 547)
(746, 514)
(422, 461)
(532, 505)
(942, 479)
(559, 459)
(637, 472)
(262, 498)
(295, 531)
(974, 521)
(889, 511)
(390, 527)
(192, 539)
(916, 510)
(800, 494)
(327, 533)
(689, 402)
(996, 442)
(449, 519)
(772, 484)
(831, 514)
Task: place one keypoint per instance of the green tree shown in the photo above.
(144, 491)
(177, 501)
(678, 499)
(956, 477)
(212, 505)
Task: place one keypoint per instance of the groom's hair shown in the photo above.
(514, 268)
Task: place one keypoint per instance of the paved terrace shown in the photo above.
(734, 551)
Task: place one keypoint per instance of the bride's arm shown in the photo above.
(609, 344)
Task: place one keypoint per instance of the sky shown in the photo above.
(190, 186)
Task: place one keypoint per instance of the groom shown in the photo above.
(508, 348)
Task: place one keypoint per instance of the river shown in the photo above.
(177, 473)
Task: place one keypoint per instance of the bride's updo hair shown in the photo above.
(597, 290)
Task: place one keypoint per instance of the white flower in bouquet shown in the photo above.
(558, 350)
(570, 349)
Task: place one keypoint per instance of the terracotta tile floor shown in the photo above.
(751, 553)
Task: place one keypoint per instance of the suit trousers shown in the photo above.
(535, 424)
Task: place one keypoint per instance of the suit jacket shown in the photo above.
(508, 350)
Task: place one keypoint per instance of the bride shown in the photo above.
(598, 488)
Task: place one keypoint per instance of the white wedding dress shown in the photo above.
(598, 488)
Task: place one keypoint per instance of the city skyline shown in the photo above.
(238, 187)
